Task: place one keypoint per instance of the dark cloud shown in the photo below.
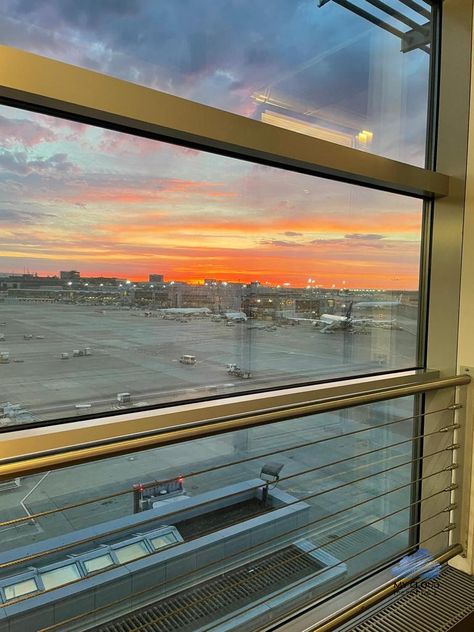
(351, 244)
(83, 14)
(326, 242)
(280, 243)
(291, 233)
(258, 54)
(7, 215)
(19, 163)
(22, 217)
(364, 236)
(181, 49)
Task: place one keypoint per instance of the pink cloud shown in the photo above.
(24, 132)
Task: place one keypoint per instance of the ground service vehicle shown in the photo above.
(188, 359)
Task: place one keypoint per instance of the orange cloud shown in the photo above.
(145, 192)
(393, 266)
(388, 224)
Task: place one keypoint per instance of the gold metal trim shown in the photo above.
(31, 451)
(33, 81)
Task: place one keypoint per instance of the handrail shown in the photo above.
(165, 427)
(186, 474)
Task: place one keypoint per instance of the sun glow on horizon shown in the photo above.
(86, 206)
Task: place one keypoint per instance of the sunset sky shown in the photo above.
(104, 203)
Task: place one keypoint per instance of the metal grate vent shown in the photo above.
(209, 601)
(436, 609)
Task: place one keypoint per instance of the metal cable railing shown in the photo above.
(355, 476)
(450, 447)
(218, 467)
(295, 532)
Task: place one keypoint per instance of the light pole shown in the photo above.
(310, 286)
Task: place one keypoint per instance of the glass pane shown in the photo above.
(134, 272)
(97, 563)
(60, 576)
(291, 511)
(326, 71)
(163, 540)
(131, 552)
(19, 589)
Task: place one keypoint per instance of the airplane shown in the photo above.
(365, 304)
(332, 322)
(300, 319)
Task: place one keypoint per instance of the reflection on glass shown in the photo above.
(21, 588)
(98, 563)
(60, 576)
(131, 552)
(134, 273)
(316, 68)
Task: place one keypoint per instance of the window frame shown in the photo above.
(32, 82)
(25, 576)
(35, 83)
(56, 567)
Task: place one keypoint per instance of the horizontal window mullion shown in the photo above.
(38, 83)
